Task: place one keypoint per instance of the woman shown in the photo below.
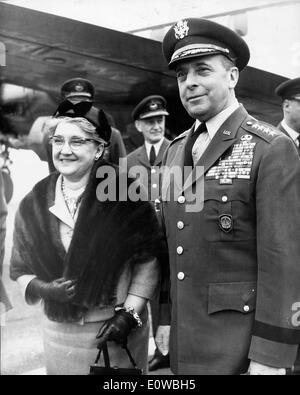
(93, 263)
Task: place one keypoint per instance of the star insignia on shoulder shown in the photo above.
(264, 129)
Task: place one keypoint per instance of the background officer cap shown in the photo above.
(194, 37)
(78, 89)
(289, 89)
(150, 106)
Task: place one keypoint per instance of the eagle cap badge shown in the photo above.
(181, 29)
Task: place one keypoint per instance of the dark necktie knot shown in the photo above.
(200, 129)
(152, 155)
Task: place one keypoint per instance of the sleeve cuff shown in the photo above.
(277, 355)
(23, 282)
(139, 290)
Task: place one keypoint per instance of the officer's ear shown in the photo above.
(138, 125)
(234, 77)
(286, 105)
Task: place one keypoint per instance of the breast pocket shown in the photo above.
(229, 213)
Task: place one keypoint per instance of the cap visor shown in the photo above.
(175, 61)
(153, 114)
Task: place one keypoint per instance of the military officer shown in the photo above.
(289, 91)
(81, 89)
(150, 120)
(234, 260)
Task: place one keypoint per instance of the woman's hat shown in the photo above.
(86, 110)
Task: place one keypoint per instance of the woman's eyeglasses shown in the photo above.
(74, 143)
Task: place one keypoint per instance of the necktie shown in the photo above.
(152, 155)
(188, 158)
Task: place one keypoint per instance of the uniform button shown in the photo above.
(181, 199)
(180, 276)
(154, 185)
(153, 171)
(249, 123)
(246, 308)
(179, 250)
(180, 225)
(224, 198)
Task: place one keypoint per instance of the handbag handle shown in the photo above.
(106, 355)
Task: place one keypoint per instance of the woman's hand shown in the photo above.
(117, 328)
(59, 290)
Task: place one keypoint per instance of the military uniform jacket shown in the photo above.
(282, 129)
(139, 158)
(234, 265)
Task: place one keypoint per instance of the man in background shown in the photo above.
(289, 91)
(150, 120)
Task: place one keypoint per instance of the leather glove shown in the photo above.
(59, 290)
(117, 328)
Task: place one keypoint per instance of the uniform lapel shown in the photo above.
(161, 152)
(175, 159)
(142, 157)
(223, 139)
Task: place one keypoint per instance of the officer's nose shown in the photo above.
(156, 125)
(191, 79)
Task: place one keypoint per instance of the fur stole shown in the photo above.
(107, 236)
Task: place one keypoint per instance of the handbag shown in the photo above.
(107, 370)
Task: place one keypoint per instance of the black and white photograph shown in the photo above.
(150, 190)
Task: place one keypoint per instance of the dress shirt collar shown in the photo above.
(156, 147)
(214, 124)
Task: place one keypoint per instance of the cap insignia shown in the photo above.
(181, 29)
(79, 87)
(153, 106)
